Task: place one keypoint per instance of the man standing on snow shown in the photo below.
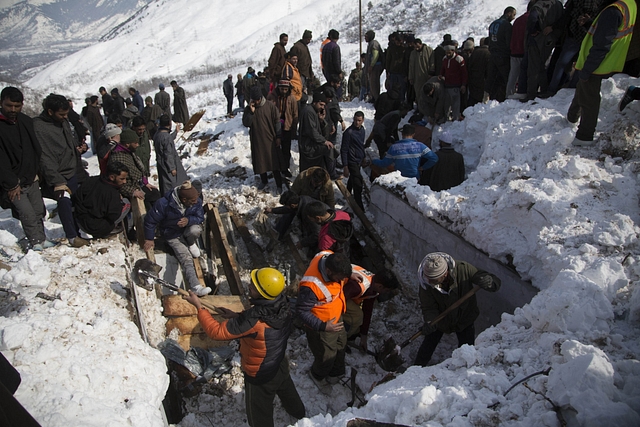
(443, 281)
(287, 106)
(331, 59)
(263, 331)
(163, 100)
(373, 65)
(59, 161)
(454, 76)
(314, 148)
(179, 216)
(352, 154)
(305, 64)
(180, 109)
(277, 59)
(171, 173)
(602, 54)
(19, 163)
(320, 306)
(136, 98)
(500, 59)
(227, 89)
(421, 67)
(263, 120)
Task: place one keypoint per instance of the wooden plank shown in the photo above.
(139, 211)
(196, 264)
(199, 340)
(255, 251)
(365, 221)
(175, 305)
(301, 264)
(228, 261)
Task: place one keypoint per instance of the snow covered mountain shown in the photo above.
(35, 33)
(203, 39)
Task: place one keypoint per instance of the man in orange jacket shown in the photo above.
(320, 306)
(263, 331)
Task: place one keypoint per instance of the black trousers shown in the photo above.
(259, 398)
(465, 336)
(356, 183)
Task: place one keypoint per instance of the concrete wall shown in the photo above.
(415, 235)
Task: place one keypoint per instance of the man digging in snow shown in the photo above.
(443, 281)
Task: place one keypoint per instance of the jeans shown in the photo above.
(569, 48)
(180, 246)
(452, 101)
(31, 210)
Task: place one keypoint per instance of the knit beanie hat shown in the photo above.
(161, 86)
(284, 82)
(128, 136)
(445, 137)
(111, 130)
(468, 45)
(187, 191)
(433, 265)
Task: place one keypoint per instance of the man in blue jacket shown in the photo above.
(407, 155)
(179, 216)
(352, 154)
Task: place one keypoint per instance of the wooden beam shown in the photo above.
(255, 251)
(365, 221)
(228, 261)
(139, 211)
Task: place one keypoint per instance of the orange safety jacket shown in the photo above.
(331, 303)
(364, 279)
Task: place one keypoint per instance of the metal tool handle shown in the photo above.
(443, 314)
(176, 288)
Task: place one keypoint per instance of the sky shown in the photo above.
(568, 216)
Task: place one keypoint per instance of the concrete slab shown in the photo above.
(416, 235)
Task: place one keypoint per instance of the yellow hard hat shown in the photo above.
(268, 281)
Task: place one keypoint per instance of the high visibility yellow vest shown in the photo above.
(615, 59)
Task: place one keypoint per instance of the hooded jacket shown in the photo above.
(166, 213)
(263, 331)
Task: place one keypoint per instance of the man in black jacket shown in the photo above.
(19, 161)
(99, 208)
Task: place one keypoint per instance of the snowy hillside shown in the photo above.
(34, 33)
(566, 218)
(199, 40)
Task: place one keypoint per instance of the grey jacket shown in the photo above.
(59, 155)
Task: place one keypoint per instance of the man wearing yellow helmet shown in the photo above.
(263, 330)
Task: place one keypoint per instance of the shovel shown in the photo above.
(389, 357)
(145, 273)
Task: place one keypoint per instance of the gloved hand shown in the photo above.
(59, 190)
(483, 280)
(428, 329)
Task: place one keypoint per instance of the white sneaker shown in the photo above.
(201, 290)
(195, 251)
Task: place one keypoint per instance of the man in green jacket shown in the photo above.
(443, 281)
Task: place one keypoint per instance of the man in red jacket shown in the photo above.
(454, 75)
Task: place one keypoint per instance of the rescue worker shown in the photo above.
(602, 54)
(263, 330)
(443, 281)
(320, 306)
(361, 292)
